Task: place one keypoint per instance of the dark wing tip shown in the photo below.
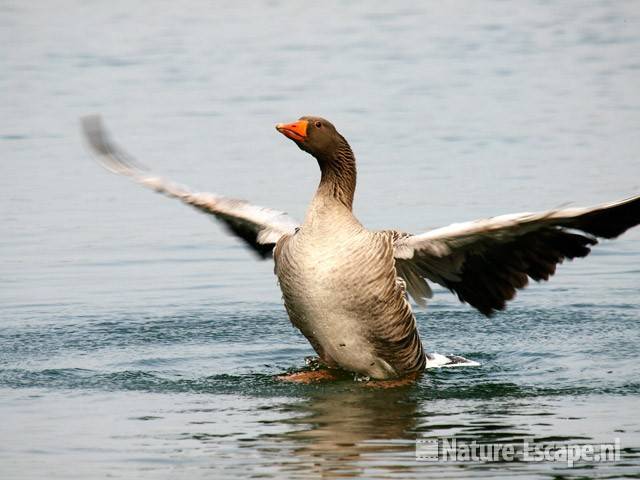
(613, 221)
(95, 134)
(110, 155)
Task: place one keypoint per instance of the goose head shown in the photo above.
(320, 138)
(314, 135)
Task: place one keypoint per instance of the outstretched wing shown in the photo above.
(259, 227)
(485, 261)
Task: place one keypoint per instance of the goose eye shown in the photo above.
(318, 124)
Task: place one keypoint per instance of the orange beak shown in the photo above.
(295, 131)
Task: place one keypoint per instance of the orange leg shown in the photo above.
(309, 376)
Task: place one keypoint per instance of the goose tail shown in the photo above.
(437, 360)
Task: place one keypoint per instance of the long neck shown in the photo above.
(338, 180)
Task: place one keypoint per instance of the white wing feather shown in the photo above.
(260, 227)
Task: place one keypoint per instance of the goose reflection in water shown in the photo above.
(337, 431)
(357, 431)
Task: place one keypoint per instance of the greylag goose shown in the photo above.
(346, 288)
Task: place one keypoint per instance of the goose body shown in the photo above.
(346, 288)
(340, 289)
